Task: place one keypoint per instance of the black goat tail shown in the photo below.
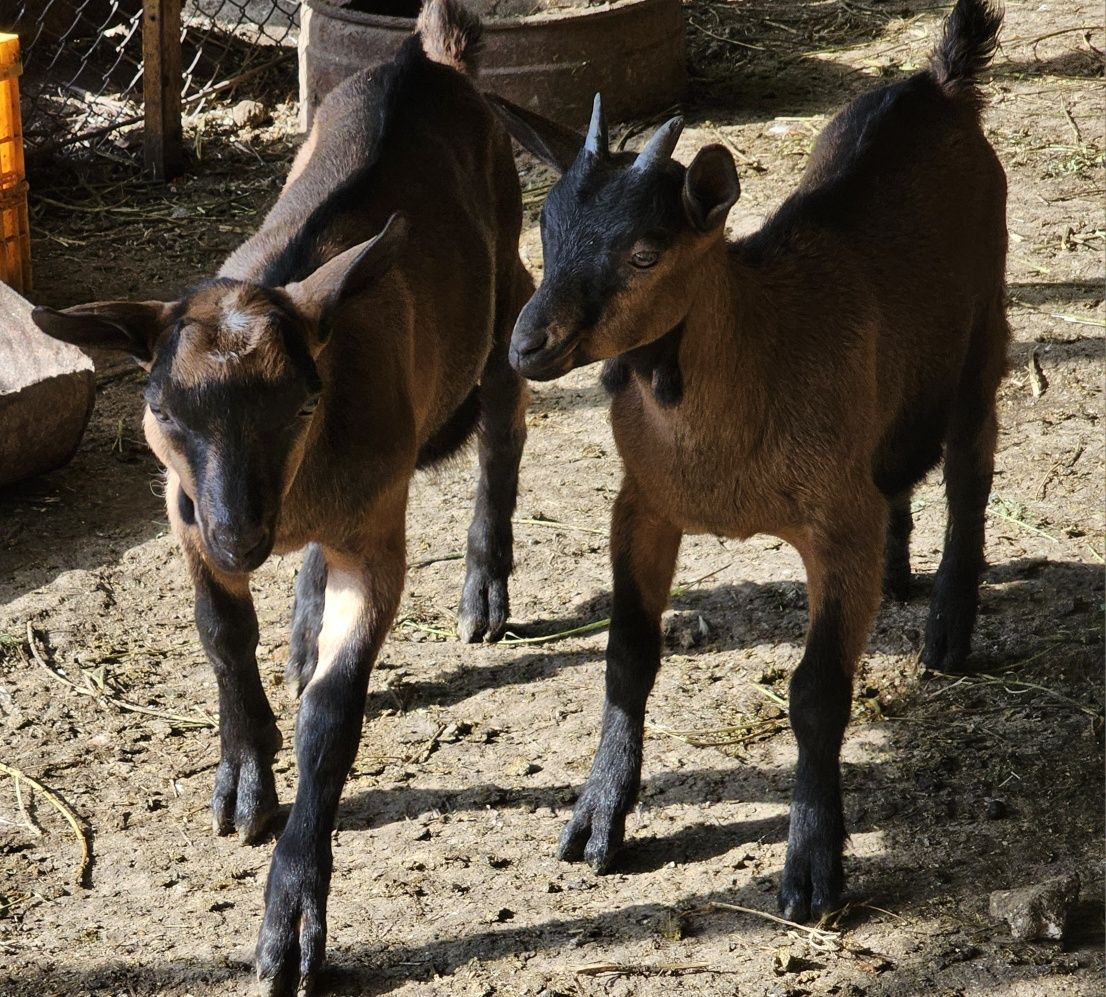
(968, 43)
(451, 34)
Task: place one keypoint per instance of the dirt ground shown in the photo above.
(445, 878)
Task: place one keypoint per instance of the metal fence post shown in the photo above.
(161, 85)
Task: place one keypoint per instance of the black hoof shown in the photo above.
(594, 834)
(898, 583)
(952, 614)
(484, 608)
(804, 897)
(245, 798)
(946, 647)
(291, 947)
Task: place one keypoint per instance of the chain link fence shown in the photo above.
(82, 84)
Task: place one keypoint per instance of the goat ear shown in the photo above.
(711, 187)
(125, 326)
(552, 143)
(349, 273)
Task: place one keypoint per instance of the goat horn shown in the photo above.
(660, 147)
(596, 142)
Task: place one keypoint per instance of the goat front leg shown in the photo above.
(245, 798)
(643, 555)
(843, 588)
(362, 595)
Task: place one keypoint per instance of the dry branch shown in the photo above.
(104, 699)
(79, 829)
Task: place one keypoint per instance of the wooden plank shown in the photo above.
(161, 84)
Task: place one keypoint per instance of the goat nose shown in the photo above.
(239, 545)
(529, 341)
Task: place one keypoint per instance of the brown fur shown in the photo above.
(227, 334)
(354, 357)
(798, 382)
(451, 35)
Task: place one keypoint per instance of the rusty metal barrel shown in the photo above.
(632, 51)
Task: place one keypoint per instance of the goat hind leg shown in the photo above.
(489, 558)
(969, 468)
(896, 553)
(307, 620)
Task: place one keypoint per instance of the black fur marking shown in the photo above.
(614, 376)
(453, 434)
(591, 219)
(657, 362)
(820, 697)
(185, 508)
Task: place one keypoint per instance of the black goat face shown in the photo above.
(231, 393)
(619, 233)
(606, 232)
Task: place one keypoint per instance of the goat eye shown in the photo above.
(161, 415)
(308, 408)
(644, 258)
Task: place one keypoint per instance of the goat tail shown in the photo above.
(451, 34)
(968, 43)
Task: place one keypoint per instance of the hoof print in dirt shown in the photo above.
(1040, 912)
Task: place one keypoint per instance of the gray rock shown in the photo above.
(249, 113)
(1036, 912)
(46, 393)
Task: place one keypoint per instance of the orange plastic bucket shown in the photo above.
(15, 229)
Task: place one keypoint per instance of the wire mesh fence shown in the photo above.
(82, 85)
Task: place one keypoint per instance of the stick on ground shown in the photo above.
(79, 829)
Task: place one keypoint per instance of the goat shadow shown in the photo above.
(750, 614)
(376, 969)
(746, 615)
(1018, 590)
(1074, 64)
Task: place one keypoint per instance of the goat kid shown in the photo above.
(798, 382)
(291, 399)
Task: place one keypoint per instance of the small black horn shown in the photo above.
(596, 142)
(660, 147)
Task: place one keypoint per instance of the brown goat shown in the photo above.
(291, 400)
(798, 382)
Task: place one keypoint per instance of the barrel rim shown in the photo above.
(625, 8)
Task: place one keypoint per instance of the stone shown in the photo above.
(47, 389)
(249, 113)
(1037, 912)
(521, 767)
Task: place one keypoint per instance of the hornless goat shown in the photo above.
(291, 399)
(798, 382)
